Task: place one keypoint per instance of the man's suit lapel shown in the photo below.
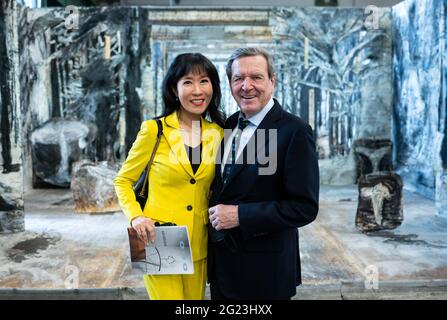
(217, 183)
(267, 123)
(230, 124)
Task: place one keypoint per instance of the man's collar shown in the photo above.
(258, 117)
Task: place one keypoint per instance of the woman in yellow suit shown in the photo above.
(182, 169)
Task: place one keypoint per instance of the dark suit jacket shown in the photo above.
(260, 258)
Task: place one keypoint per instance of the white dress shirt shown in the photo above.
(246, 134)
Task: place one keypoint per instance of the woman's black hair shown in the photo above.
(181, 66)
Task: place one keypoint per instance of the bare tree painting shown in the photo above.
(333, 52)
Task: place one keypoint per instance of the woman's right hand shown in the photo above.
(143, 226)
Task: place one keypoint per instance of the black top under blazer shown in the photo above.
(260, 258)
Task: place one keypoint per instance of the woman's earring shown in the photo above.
(176, 99)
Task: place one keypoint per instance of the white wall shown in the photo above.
(269, 3)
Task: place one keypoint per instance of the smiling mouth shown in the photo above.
(246, 97)
(198, 102)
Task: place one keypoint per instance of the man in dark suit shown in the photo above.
(257, 205)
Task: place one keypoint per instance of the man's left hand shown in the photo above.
(224, 216)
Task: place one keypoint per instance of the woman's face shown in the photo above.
(195, 92)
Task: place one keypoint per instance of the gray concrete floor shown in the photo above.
(63, 250)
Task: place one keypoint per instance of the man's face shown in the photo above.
(250, 84)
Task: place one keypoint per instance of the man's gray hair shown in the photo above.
(250, 52)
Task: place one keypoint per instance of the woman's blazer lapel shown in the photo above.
(210, 142)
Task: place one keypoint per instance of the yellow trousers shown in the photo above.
(178, 286)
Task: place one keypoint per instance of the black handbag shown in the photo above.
(140, 188)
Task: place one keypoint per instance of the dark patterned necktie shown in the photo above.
(234, 147)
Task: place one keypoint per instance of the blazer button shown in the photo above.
(192, 181)
(189, 208)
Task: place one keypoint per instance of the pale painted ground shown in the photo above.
(61, 248)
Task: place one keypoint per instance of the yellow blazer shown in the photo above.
(176, 194)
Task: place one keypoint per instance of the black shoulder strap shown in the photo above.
(144, 189)
(160, 128)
